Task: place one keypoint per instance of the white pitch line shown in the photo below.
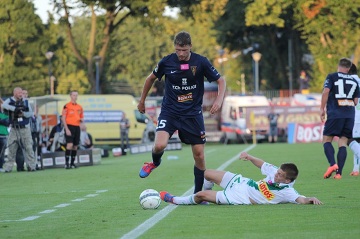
(149, 223)
(31, 218)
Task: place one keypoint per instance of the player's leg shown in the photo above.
(199, 167)
(69, 147)
(331, 128)
(198, 198)
(75, 131)
(341, 156)
(355, 147)
(215, 176)
(164, 130)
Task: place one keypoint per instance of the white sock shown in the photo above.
(355, 147)
(356, 163)
(208, 185)
(187, 200)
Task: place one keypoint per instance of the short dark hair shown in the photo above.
(345, 62)
(182, 39)
(291, 171)
(353, 69)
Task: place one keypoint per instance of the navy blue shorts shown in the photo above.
(191, 130)
(339, 127)
(75, 135)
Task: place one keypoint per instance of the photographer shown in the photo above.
(19, 112)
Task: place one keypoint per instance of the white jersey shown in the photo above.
(356, 129)
(241, 190)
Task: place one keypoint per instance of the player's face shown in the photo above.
(183, 52)
(74, 96)
(280, 177)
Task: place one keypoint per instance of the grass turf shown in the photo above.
(102, 201)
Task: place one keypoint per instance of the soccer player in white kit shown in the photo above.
(276, 187)
(354, 141)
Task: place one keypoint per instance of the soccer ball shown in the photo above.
(150, 199)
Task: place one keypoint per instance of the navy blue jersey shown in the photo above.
(343, 90)
(184, 83)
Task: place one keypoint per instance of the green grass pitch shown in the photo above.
(102, 201)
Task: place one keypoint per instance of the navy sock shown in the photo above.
(157, 158)
(199, 179)
(329, 153)
(73, 156)
(341, 158)
(67, 156)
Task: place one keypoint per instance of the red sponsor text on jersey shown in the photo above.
(264, 189)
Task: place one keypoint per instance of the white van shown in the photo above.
(233, 118)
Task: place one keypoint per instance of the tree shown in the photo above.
(22, 50)
(116, 12)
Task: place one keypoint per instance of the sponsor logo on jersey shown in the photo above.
(184, 81)
(183, 98)
(264, 189)
(346, 102)
(193, 70)
(184, 67)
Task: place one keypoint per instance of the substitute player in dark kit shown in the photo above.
(181, 109)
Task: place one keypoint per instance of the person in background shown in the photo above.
(181, 110)
(353, 142)
(275, 188)
(4, 124)
(273, 124)
(36, 129)
(304, 82)
(20, 135)
(339, 97)
(124, 132)
(57, 137)
(72, 116)
(85, 138)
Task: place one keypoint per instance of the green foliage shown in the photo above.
(22, 46)
(337, 37)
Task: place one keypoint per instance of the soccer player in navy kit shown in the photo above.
(181, 108)
(340, 95)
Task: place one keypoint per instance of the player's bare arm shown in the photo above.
(220, 97)
(308, 200)
(256, 161)
(147, 86)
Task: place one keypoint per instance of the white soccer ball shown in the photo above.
(150, 199)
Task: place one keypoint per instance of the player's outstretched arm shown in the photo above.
(308, 200)
(256, 161)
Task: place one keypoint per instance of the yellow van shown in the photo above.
(102, 114)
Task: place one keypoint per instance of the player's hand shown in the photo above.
(315, 201)
(67, 132)
(244, 156)
(216, 106)
(141, 108)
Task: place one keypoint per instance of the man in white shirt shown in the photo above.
(276, 188)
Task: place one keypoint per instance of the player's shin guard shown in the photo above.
(156, 157)
(199, 179)
(341, 157)
(355, 147)
(329, 153)
(67, 156)
(73, 156)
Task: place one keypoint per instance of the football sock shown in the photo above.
(208, 185)
(341, 157)
(199, 179)
(156, 157)
(329, 153)
(187, 200)
(73, 156)
(67, 156)
(355, 147)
